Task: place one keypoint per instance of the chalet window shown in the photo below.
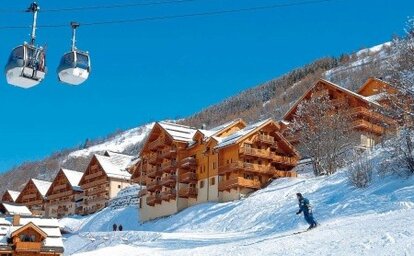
(119, 186)
(202, 184)
(248, 176)
(212, 181)
(214, 165)
(228, 161)
(27, 238)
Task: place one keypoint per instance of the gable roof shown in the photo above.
(374, 79)
(220, 128)
(334, 86)
(239, 135)
(17, 229)
(122, 160)
(42, 186)
(73, 177)
(178, 132)
(13, 194)
(113, 167)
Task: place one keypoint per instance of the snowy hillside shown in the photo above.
(264, 223)
(118, 144)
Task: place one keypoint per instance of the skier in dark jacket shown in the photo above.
(114, 227)
(305, 207)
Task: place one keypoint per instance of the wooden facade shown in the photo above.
(10, 196)
(365, 112)
(183, 166)
(104, 177)
(65, 197)
(33, 195)
(251, 158)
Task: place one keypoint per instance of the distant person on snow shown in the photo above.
(114, 227)
(120, 227)
(305, 207)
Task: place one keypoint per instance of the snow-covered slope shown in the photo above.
(373, 221)
(119, 143)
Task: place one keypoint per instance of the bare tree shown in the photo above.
(324, 132)
(360, 170)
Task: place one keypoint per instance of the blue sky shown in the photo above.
(149, 71)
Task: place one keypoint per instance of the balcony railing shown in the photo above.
(287, 160)
(28, 246)
(93, 175)
(94, 183)
(188, 162)
(238, 182)
(96, 199)
(156, 143)
(95, 191)
(363, 124)
(168, 153)
(169, 195)
(188, 193)
(189, 177)
(169, 180)
(168, 166)
(155, 172)
(153, 185)
(153, 199)
(265, 139)
(284, 174)
(371, 114)
(153, 158)
(239, 165)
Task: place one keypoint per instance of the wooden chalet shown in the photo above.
(250, 158)
(365, 111)
(10, 196)
(181, 166)
(65, 196)
(104, 177)
(30, 237)
(33, 195)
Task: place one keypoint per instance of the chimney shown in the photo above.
(16, 220)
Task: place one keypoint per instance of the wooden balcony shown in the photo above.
(188, 193)
(103, 199)
(243, 166)
(153, 158)
(292, 138)
(153, 199)
(169, 180)
(60, 187)
(238, 182)
(188, 163)
(95, 191)
(361, 111)
(168, 153)
(94, 183)
(28, 246)
(169, 195)
(154, 185)
(154, 145)
(94, 175)
(285, 160)
(188, 177)
(255, 152)
(29, 196)
(370, 127)
(155, 172)
(168, 166)
(266, 139)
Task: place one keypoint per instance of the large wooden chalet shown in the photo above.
(104, 177)
(28, 236)
(10, 196)
(33, 195)
(364, 110)
(250, 158)
(65, 196)
(183, 166)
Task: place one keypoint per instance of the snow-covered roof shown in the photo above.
(233, 138)
(179, 132)
(14, 194)
(42, 185)
(113, 167)
(16, 209)
(122, 160)
(73, 177)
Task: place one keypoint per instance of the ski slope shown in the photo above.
(373, 221)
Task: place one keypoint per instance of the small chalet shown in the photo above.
(10, 196)
(65, 196)
(33, 195)
(30, 236)
(104, 177)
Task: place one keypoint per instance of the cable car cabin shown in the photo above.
(74, 67)
(26, 66)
